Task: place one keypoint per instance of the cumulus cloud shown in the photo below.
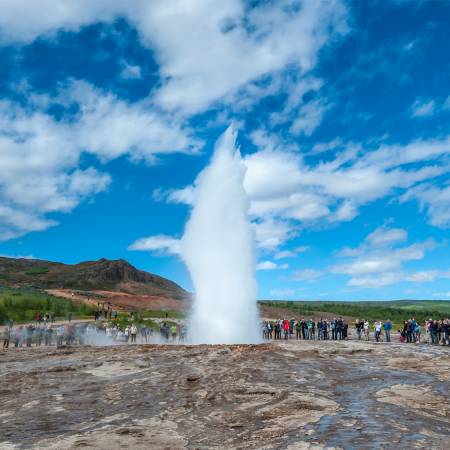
(207, 53)
(281, 185)
(287, 194)
(380, 260)
(160, 244)
(309, 275)
(285, 254)
(434, 200)
(270, 265)
(131, 72)
(205, 50)
(40, 156)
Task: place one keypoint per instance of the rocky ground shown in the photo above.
(294, 395)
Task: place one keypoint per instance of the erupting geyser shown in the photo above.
(218, 248)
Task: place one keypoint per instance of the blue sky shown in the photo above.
(110, 109)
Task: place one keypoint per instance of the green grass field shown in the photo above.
(22, 305)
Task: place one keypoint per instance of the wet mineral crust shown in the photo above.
(293, 395)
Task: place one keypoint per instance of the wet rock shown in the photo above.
(193, 377)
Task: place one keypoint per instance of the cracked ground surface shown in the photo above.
(294, 395)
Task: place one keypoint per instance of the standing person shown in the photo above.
(174, 332)
(133, 332)
(409, 331)
(333, 328)
(269, 330)
(339, 327)
(29, 335)
(60, 336)
(428, 330)
(358, 329)
(298, 329)
(447, 332)
(127, 333)
(344, 329)
(6, 337)
(144, 333)
(377, 331)
(304, 328)
(387, 330)
(367, 330)
(417, 331)
(38, 333)
(18, 336)
(286, 327)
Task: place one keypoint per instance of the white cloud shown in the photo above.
(309, 275)
(270, 233)
(286, 194)
(161, 244)
(308, 118)
(384, 236)
(206, 50)
(282, 186)
(270, 265)
(40, 169)
(207, 53)
(3, 255)
(285, 254)
(282, 293)
(379, 260)
(423, 108)
(131, 72)
(291, 253)
(434, 200)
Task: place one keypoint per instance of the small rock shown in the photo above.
(193, 377)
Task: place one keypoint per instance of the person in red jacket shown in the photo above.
(286, 327)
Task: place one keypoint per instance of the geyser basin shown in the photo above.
(219, 251)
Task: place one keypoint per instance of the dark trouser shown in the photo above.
(339, 334)
(388, 335)
(133, 338)
(333, 334)
(408, 336)
(297, 334)
(377, 336)
(6, 343)
(434, 337)
(28, 342)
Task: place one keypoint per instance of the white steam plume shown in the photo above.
(218, 248)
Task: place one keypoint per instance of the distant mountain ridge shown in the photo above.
(109, 275)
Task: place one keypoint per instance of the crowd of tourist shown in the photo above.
(436, 331)
(45, 332)
(336, 329)
(88, 333)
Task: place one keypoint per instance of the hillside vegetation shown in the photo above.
(109, 275)
(22, 305)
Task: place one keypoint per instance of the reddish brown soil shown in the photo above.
(121, 300)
